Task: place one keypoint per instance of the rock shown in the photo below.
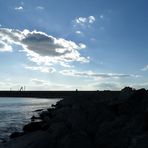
(3, 140)
(126, 93)
(101, 119)
(127, 89)
(45, 114)
(146, 120)
(59, 130)
(53, 105)
(46, 120)
(77, 139)
(38, 110)
(61, 114)
(33, 118)
(16, 134)
(44, 126)
(33, 126)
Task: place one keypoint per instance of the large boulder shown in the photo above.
(16, 134)
(33, 126)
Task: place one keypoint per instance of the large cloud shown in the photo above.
(43, 48)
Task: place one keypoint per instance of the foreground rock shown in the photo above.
(100, 120)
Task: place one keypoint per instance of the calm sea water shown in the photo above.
(16, 112)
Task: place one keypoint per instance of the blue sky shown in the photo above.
(73, 44)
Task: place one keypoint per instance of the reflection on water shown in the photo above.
(15, 112)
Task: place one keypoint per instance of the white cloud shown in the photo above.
(78, 32)
(19, 8)
(40, 8)
(145, 68)
(42, 84)
(41, 69)
(91, 74)
(39, 82)
(107, 86)
(93, 39)
(91, 19)
(84, 21)
(42, 48)
(140, 85)
(4, 47)
(82, 46)
(81, 20)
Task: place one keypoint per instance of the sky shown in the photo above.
(73, 44)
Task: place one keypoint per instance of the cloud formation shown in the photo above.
(4, 47)
(41, 69)
(140, 85)
(42, 48)
(145, 68)
(19, 8)
(84, 21)
(40, 82)
(79, 32)
(91, 74)
(108, 86)
(40, 8)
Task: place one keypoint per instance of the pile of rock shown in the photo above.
(89, 122)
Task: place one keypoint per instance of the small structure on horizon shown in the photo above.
(23, 88)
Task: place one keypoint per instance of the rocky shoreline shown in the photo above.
(105, 119)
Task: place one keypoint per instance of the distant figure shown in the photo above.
(76, 90)
(21, 89)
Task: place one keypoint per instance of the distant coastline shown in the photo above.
(48, 94)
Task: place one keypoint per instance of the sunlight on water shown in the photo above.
(15, 112)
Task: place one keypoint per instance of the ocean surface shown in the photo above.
(16, 112)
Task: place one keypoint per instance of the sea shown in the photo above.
(16, 112)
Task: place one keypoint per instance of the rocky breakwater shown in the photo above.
(87, 121)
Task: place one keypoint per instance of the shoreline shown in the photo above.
(103, 120)
(16, 112)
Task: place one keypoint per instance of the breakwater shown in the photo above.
(53, 94)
